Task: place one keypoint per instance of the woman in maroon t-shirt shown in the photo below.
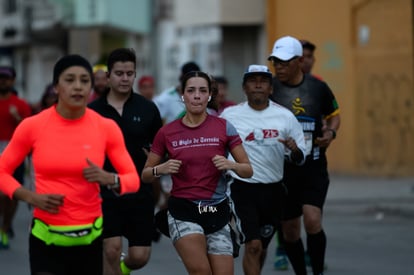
(198, 211)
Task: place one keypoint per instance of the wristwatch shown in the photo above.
(116, 184)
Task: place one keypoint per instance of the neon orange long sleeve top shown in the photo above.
(59, 149)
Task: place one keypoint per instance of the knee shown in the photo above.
(312, 224)
(253, 248)
(291, 236)
(291, 231)
(112, 254)
(137, 263)
(138, 260)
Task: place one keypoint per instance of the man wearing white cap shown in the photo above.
(270, 133)
(311, 101)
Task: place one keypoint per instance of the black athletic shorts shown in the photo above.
(307, 184)
(130, 216)
(257, 209)
(69, 260)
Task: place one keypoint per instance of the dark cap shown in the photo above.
(7, 71)
(307, 45)
(69, 61)
(188, 67)
(221, 80)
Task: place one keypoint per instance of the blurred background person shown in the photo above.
(49, 97)
(12, 111)
(221, 100)
(169, 102)
(308, 57)
(146, 86)
(212, 105)
(100, 85)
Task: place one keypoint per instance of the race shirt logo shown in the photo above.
(297, 106)
(195, 142)
(260, 135)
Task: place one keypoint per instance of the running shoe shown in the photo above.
(124, 269)
(4, 240)
(281, 260)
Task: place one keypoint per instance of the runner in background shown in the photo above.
(13, 110)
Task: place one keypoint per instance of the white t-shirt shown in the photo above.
(260, 131)
(170, 104)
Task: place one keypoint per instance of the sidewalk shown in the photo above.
(389, 194)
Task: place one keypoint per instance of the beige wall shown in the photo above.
(218, 12)
(364, 53)
(384, 87)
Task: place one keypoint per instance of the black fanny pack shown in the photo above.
(211, 217)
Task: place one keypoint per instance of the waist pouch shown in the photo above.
(211, 217)
(67, 235)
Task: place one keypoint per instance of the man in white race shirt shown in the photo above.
(270, 134)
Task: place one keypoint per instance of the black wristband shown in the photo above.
(154, 172)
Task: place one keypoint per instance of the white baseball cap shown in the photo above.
(286, 48)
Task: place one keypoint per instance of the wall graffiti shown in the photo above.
(386, 124)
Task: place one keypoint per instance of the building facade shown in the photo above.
(365, 53)
(221, 38)
(35, 33)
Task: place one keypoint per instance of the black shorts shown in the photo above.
(131, 216)
(307, 184)
(70, 260)
(257, 209)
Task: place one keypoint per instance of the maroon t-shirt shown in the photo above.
(198, 178)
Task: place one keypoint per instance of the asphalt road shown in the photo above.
(366, 236)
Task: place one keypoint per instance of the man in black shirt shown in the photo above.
(131, 215)
(313, 103)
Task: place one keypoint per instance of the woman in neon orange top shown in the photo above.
(68, 143)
